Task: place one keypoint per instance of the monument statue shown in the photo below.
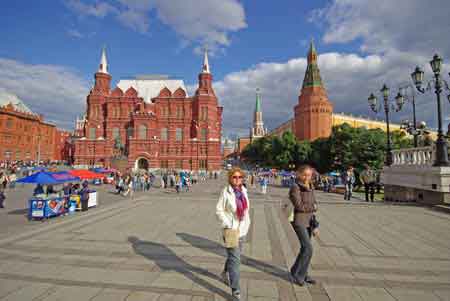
(119, 148)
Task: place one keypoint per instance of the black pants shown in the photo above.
(84, 205)
(369, 188)
(1, 203)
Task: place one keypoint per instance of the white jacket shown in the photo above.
(226, 211)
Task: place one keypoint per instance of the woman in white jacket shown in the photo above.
(232, 211)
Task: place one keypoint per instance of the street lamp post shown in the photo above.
(376, 107)
(400, 99)
(439, 84)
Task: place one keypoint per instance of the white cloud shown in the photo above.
(207, 22)
(57, 92)
(99, 10)
(348, 78)
(195, 21)
(75, 33)
(404, 25)
(135, 14)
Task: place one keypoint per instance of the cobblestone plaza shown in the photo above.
(166, 246)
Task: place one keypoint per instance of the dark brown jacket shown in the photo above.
(304, 203)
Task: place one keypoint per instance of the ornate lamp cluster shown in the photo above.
(439, 84)
(387, 106)
(413, 127)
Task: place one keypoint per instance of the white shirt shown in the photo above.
(226, 211)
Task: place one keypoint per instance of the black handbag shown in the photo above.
(313, 222)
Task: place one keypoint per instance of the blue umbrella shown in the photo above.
(47, 178)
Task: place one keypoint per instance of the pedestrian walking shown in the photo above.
(264, 182)
(232, 210)
(178, 183)
(304, 202)
(12, 180)
(368, 179)
(349, 181)
(326, 184)
(3, 179)
(2, 198)
(84, 196)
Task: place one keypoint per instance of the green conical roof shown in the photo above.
(258, 101)
(312, 74)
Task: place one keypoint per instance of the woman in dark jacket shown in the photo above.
(302, 197)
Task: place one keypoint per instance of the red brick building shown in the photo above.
(62, 145)
(159, 125)
(313, 113)
(25, 135)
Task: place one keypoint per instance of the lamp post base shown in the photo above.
(441, 153)
(389, 160)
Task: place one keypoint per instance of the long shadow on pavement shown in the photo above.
(218, 249)
(167, 260)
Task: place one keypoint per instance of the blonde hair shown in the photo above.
(233, 171)
(301, 169)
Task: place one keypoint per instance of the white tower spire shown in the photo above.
(103, 62)
(205, 68)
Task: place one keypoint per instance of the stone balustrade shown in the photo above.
(413, 178)
(413, 156)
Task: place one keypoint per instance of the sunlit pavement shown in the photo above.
(166, 246)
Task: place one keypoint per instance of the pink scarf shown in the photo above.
(241, 203)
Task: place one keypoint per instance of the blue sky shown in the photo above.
(50, 49)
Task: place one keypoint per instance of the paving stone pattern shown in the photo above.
(167, 246)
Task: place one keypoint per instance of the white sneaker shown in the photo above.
(236, 295)
(225, 278)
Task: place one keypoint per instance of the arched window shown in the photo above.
(92, 133)
(203, 134)
(142, 132)
(179, 134)
(130, 132)
(115, 133)
(164, 134)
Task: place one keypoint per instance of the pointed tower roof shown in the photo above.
(258, 101)
(312, 74)
(205, 67)
(103, 62)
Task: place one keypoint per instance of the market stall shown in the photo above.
(43, 205)
(84, 174)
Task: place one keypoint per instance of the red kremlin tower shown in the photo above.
(313, 113)
(150, 122)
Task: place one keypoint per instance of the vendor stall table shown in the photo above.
(41, 208)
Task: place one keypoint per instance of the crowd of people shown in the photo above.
(180, 181)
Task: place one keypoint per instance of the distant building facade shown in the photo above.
(153, 121)
(25, 136)
(313, 113)
(338, 119)
(257, 130)
(228, 148)
(314, 116)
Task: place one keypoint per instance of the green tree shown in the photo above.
(346, 146)
(321, 157)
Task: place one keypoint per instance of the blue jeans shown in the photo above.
(301, 264)
(348, 191)
(232, 266)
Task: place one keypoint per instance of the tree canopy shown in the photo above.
(346, 146)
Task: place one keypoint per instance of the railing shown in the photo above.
(414, 156)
